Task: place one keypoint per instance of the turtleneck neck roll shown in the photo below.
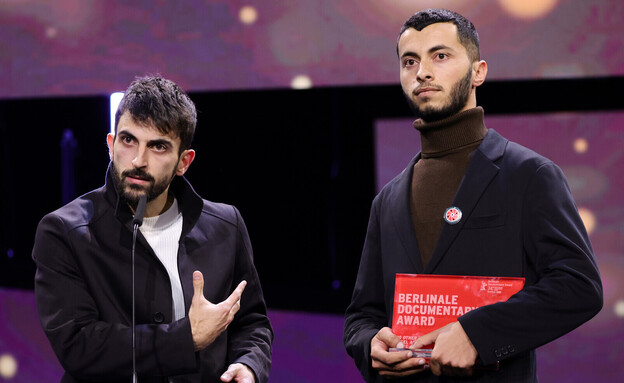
(447, 147)
(452, 133)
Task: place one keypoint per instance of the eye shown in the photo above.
(441, 56)
(409, 62)
(128, 140)
(160, 147)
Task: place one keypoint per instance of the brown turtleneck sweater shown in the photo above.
(447, 147)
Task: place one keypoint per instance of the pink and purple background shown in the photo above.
(82, 48)
(78, 47)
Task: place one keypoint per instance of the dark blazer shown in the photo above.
(83, 291)
(519, 220)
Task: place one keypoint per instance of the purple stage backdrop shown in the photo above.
(589, 147)
(93, 47)
(79, 47)
(307, 347)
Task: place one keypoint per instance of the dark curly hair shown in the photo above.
(160, 102)
(466, 31)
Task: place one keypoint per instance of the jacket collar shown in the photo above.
(480, 172)
(189, 202)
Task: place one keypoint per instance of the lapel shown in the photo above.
(480, 172)
(399, 201)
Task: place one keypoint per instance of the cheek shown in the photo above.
(121, 155)
(166, 167)
(407, 82)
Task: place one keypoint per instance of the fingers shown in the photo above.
(239, 373)
(389, 338)
(198, 285)
(425, 340)
(236, 295)
(229, 374)
(395, 363)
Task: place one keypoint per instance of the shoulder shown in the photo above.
(512, 156)
(525, 162)
(222, 212)
(80, 212)
(398, 187)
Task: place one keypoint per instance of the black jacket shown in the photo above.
(519, 220)
(83, 291)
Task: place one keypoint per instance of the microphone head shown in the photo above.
(139, 213)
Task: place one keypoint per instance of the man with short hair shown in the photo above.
(189, 253)
(515, 217)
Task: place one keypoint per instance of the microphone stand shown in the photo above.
(137, 221)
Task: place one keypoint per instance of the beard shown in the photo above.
(460, 94)
(124, 188)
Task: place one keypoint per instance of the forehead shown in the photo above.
(144, 131)
(434, 35)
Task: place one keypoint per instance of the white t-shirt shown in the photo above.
(163, 232)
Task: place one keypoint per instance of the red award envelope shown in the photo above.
(423, 302)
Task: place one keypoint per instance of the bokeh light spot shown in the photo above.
(580, 145)
(51, 32)
(528, 9)
(8, 366)
(589, 219)
(248, 15)
(301, 82)
(618, 308)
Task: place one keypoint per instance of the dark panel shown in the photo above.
(297, 163)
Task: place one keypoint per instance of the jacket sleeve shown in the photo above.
(563, 288)
(366, 314)
(250, 335)
(88, 347)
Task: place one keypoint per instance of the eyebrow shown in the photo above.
(431, 50)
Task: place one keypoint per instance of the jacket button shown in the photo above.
(497, 353)
(511, 349)
(158, 317)
(505, 351)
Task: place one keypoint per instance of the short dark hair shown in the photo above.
(466, 31)
(158, 101)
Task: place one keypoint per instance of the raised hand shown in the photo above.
(209, 320)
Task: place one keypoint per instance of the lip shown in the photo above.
(425, 91)
(138, 181)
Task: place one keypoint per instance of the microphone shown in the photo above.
(137, 221)
(139, 213)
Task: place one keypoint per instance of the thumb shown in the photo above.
(198, 285)
(229, 374)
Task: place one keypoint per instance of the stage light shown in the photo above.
(528, 9)
(618, 308)
(8, 366)
(115, 99)
(248, 15)
(589, 219)
(301, 82)
(580, 145)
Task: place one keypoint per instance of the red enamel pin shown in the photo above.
(452, 215)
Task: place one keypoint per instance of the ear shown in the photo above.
(110, 140)
(480, 72)
(185, 161)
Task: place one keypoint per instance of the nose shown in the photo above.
(140, 160)
(424, 72)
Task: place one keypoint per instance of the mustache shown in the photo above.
(428, 86)
(137, 173)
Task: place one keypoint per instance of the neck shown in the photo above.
(454, 132)
(159, 205)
